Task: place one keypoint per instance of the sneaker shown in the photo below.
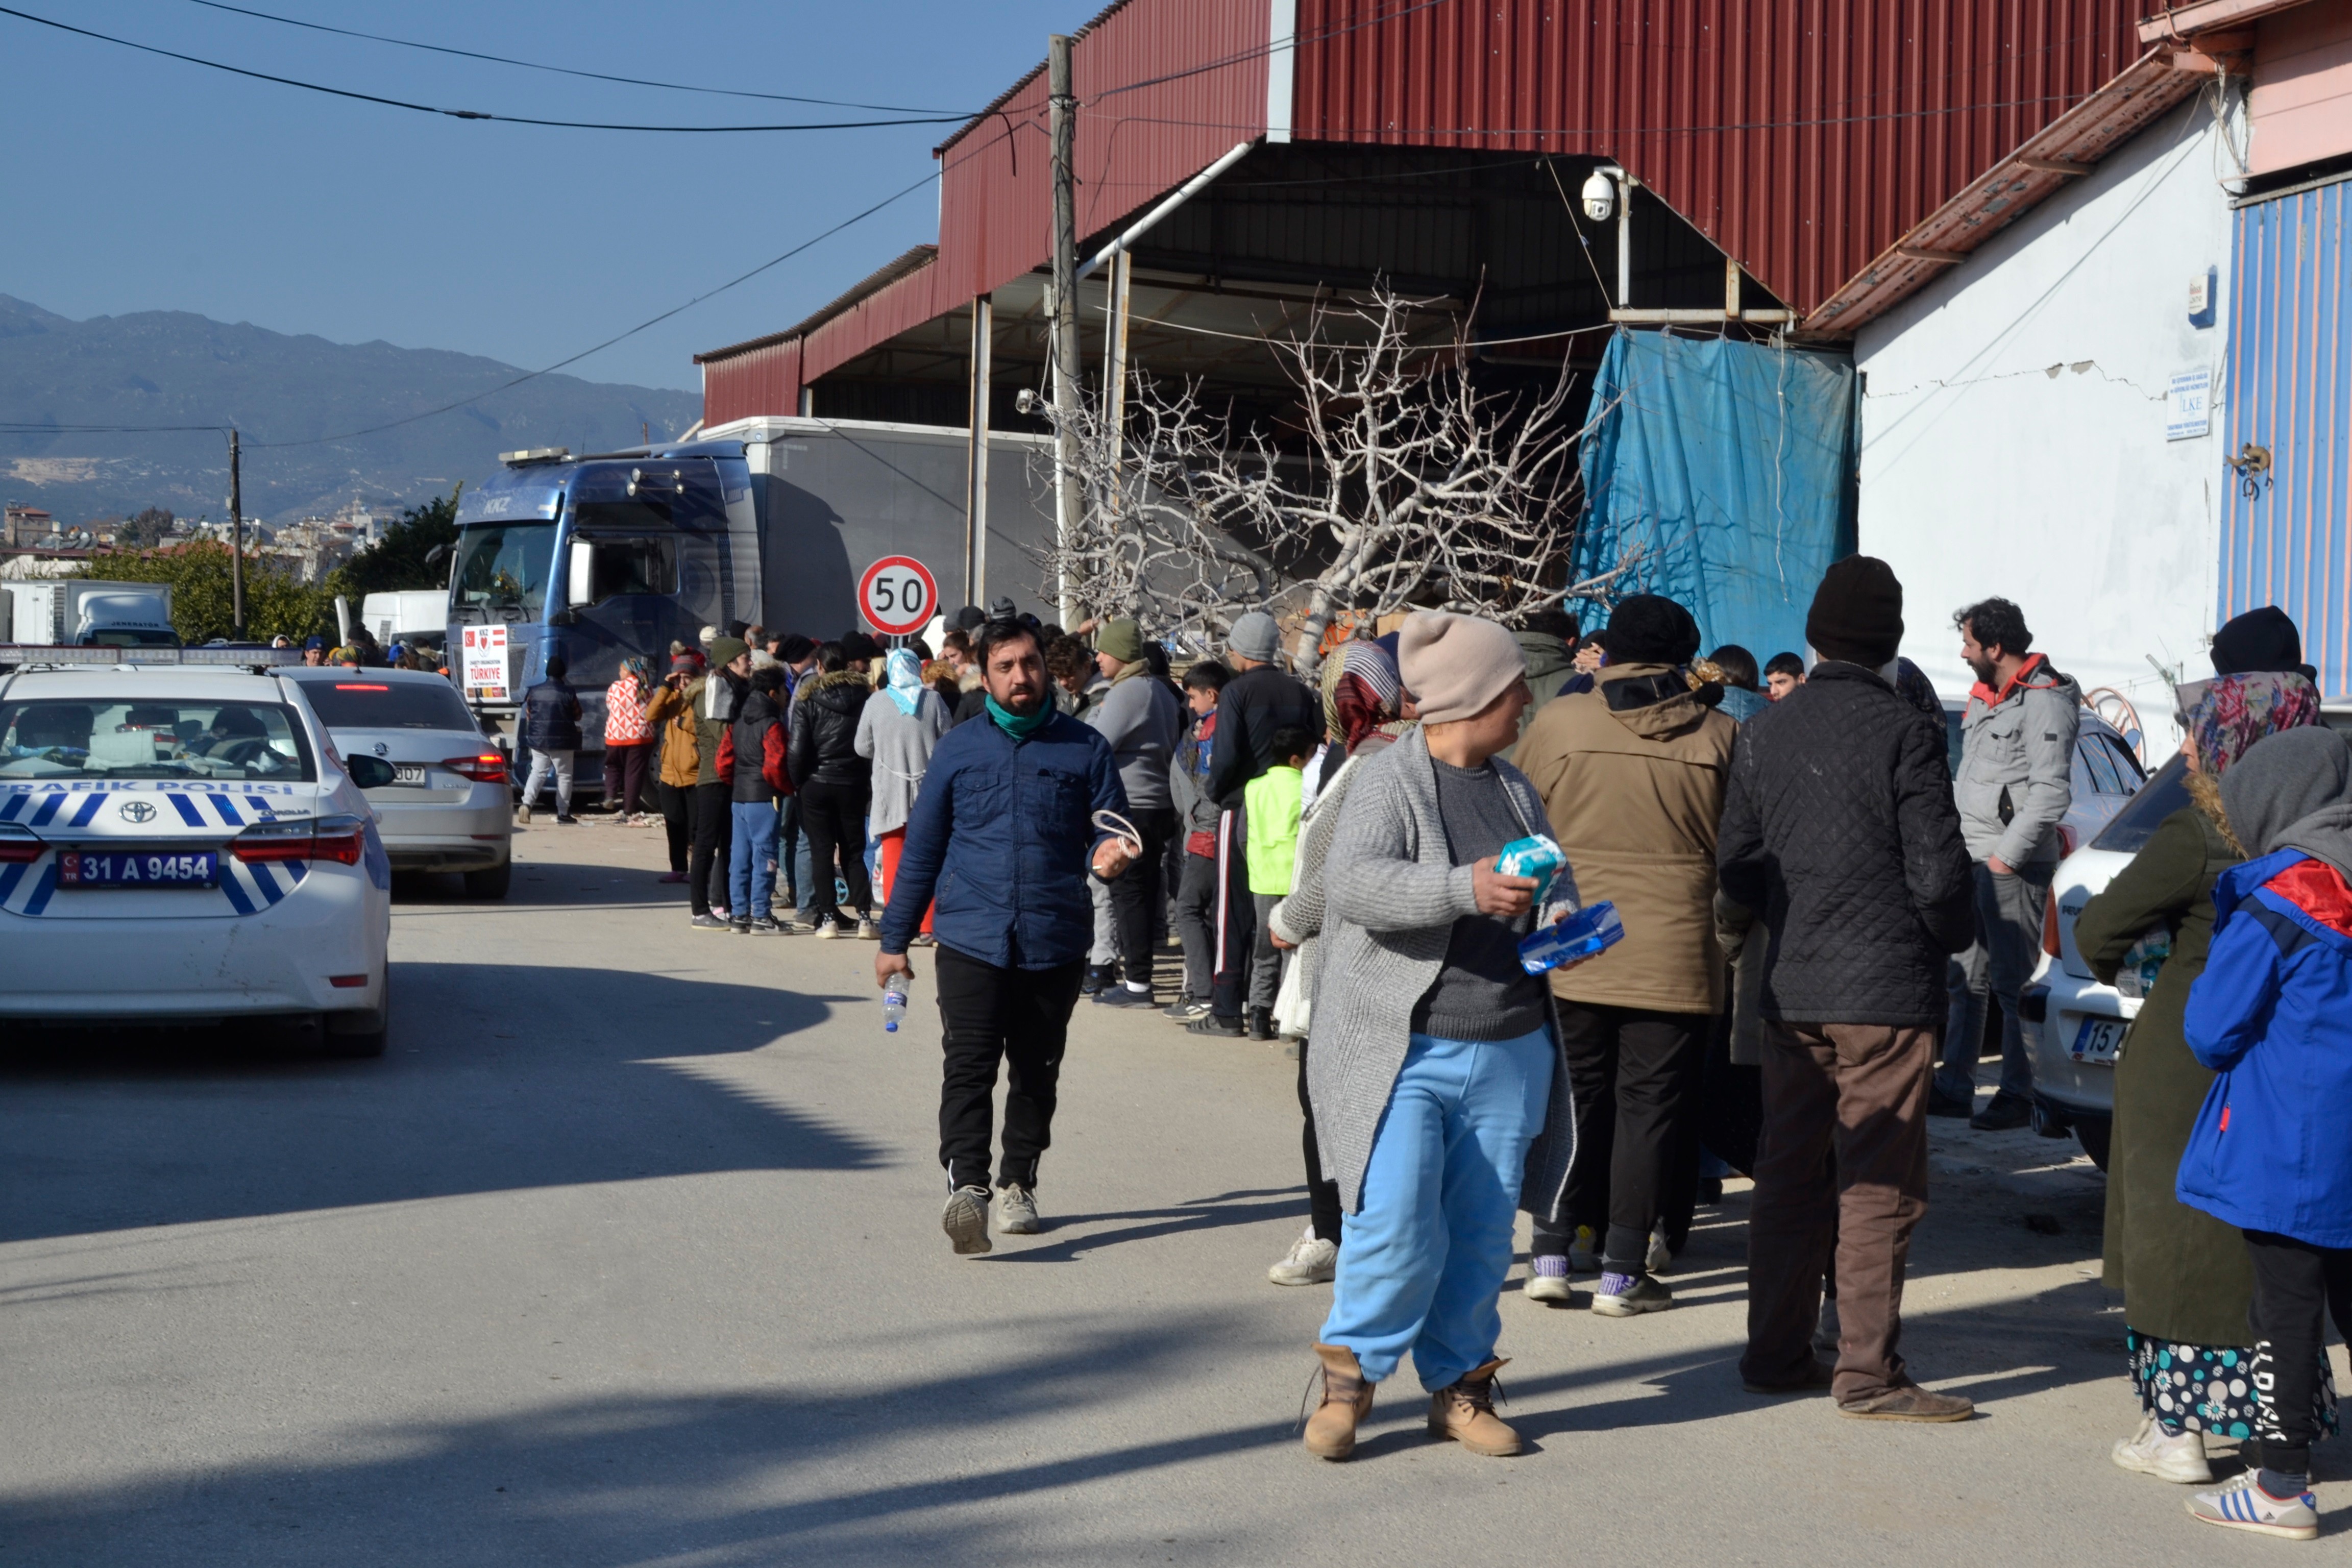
(1185, 1008)
(1548, 1279)
(1907, 1401)
(866, 930)
(1629, 1295)
(2241, 1504)
(1017, 1211)
(768, 925)
(671, 877)
(1098, 976)
(2169, 1457)
(2002, 1113)
(1311, 1260)
(1942, 1104)
(1125, 995)
(741, 927)
(832, 931)
(523, 815)
(966, 1220)
(723, 914)
(1661, 1257)
(565, 819)
(1584, 1251)
(1210, 1024)
(709, 923)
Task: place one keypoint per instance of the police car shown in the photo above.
(181, 844)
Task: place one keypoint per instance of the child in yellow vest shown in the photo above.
(1271, 807)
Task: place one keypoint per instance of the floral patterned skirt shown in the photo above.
(2213, 1388)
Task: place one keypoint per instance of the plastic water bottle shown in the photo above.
(894, 1003)
(1588, 932)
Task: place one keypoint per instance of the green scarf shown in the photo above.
(1016, 725)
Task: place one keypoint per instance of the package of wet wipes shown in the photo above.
(1537, 857)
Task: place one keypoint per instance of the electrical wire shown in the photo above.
(564, 71)
(472, 113)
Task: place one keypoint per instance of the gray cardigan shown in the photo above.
(901, 746)
(1391, 894)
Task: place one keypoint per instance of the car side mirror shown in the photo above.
(370, 773)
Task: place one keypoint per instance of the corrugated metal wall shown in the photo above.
(1800, 137)
(2289, 544)
(764, 379)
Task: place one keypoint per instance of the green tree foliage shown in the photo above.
(397, 561)
(203, 601)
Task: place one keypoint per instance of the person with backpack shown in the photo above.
(2268, 1154)
(551, 728)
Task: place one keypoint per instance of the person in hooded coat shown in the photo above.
(901, 725)
(2186, 1281)
(834, 785)
(1631, 774)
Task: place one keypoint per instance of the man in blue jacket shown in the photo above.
(1001, 839)
(550, 729)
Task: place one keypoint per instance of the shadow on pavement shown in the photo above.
(496, 1077)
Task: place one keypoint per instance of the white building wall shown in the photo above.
(2013, 426)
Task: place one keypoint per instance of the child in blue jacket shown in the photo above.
(2272, 1149)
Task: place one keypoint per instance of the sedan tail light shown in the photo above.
(489, 767)
(18, 846)
(2050, 923)
(342, 839)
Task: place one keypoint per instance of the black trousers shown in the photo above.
(625, 775)
(1636, 1077)
(2297, 1286)
(678, 817)
(1322, 1193)
(835, 815)
(1235, 926)
(1137, 894)
(1022, 1018)
(705, 873)
(1196, 912)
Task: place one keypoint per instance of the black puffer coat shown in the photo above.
(824, 730)
(1839, 830)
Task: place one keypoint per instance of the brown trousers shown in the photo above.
(1859, 1090)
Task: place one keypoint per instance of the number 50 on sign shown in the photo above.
(898, 595)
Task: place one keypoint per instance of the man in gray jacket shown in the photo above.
(1137, 714)
(2015, 782)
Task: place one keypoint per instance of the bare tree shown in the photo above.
(1403, 485)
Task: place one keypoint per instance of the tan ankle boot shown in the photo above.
(1464, 1411)
(1347, 1400)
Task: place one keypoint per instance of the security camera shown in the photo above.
(1600, 196)
(1025, 400)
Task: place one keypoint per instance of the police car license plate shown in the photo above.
(139, 868)
(410, 774)
(2097, 1041)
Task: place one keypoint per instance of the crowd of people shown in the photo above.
(1818, 909)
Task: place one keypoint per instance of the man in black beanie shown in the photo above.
(1839, 831)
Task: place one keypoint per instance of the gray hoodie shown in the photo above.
(1140, 716)
(2294, 791)
(2017, 765)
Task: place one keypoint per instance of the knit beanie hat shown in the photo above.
(1121, 639)
(725, 651)
(1255, 636)
(1649, 630)
(2263, 640)
(1455, 665)
(1857, 614)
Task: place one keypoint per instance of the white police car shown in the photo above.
(181, 844)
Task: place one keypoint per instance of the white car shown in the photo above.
(185, 844)
(448, 806)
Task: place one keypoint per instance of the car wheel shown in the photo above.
(2093, 1130)
(359, 1033)
(490, 882)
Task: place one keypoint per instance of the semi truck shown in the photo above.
(772, 520)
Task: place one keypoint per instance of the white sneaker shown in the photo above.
(1661, 1257)
(1584, 1251)
(1311, 1260)
(965, 1220)
(1547, 1288)
(1825, 1329)
(523, 815)
(2241, 1504)
(2152, 1451)
(1016, 1212)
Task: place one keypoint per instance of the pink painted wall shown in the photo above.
(2302, 102)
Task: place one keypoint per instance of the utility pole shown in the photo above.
(1063, 106)
(235, 541)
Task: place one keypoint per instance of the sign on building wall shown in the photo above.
(2188, 405)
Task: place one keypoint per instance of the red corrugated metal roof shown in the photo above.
(874, 282)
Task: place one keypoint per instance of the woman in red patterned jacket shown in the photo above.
(628, 743)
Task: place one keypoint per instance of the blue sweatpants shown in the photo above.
(752, 873)
(1423, 1261)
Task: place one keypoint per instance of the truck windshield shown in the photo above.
(130, 636)
(503, 566)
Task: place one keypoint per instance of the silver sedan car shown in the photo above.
(449, 806)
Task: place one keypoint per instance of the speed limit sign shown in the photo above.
(897, 595)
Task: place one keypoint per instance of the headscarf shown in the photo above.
(2236, 711)
(1361, 691)
(906, 680)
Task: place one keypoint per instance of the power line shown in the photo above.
(561, 71)
(470, 113)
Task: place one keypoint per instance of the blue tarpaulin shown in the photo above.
(1720, 475)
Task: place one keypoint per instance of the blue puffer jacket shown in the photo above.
(2272, 1015)
(1001, 837)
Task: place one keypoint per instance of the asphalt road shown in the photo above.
(629, 1252)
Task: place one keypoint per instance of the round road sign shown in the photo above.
(898, 595)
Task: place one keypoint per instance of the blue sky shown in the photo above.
(137, 184)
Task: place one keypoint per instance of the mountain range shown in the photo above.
(293, 398)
